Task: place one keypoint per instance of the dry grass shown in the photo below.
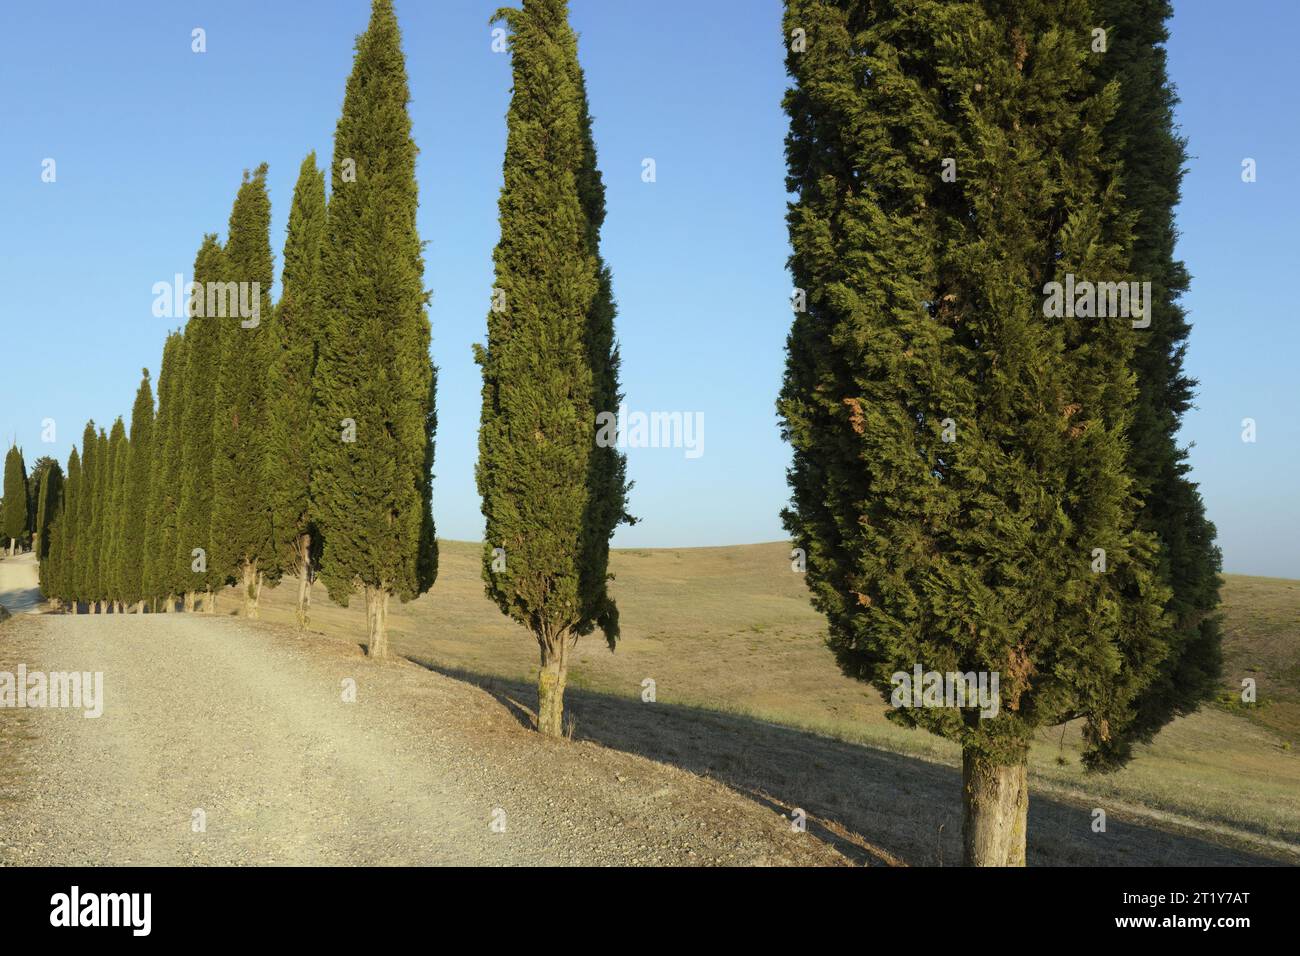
(729, 638)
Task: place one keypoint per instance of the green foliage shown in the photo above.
(135, 495)
(372, 496)
(241, 521)
(112, 523)
(925, 320)
(163, 574)
(551, 495)
(56, 572)
(14, 507)
(1154, 155)
(49, 500)
(202, 368)
(298, 322)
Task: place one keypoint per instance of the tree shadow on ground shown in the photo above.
(874, 806)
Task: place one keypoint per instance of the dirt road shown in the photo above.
(224, 742)
(18, 590)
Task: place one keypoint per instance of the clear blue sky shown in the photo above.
(150, 141)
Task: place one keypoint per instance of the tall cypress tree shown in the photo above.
(81, 561)
(553, 484)
(287, 480)
(241, 516)
(372, 442)
(163, 574)
(112, 525)
(48, 502)
(202, 369)
(1154, 157)
(35, 479)
(14, 508)
(135, 496)
(55, 577)
(960, 484)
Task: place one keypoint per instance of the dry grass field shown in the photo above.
(746, 692)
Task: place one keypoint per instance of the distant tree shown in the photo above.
(960, 484)
(56, 572)
(1154, 158)
(113, 524)
(14, 508)
(80, 550)
(202, 369)
(372, 448)
(298, 319)
(135, 496)
(164, 574)
(242, 545)
(34, 479)
(553, 484)
(48, 501)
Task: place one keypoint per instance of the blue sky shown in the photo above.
(150, 140)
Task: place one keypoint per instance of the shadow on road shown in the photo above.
(876, 807)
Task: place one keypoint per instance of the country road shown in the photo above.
(226, 742)
(18, 590)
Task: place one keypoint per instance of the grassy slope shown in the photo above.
(730, 629)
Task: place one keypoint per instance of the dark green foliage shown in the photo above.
(551, 494)
(34, 479)
(925, 305)
(112, 524)
(135, 495)
(202, 369)
(49, 501)
(371, 497)
(56, 572)
(164, 574)
(1154, 155)
(14, 508)
(298, 322)
(241, 519)
(81, 517)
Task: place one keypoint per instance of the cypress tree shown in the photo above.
(81, 553)
(49, 500)
(111, 526)
(960, 485)
(241, 516)
(35, 478)
(202, 368)
(14, 508)
(56, 578)
(1153, 157)
(552, 483)
(373, 425)
(135, 496)
(297, 330)
(164, 575)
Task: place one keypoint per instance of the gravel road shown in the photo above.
(230, 742)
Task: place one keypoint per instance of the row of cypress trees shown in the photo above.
(288, 438)
(304, 445)
(979, 487)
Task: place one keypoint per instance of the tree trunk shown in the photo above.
(187, 601)
(550, 688)
(995, 799)
(210, 602)
(139, 607)
(377, 623)
(304, 580)
(249, 575)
